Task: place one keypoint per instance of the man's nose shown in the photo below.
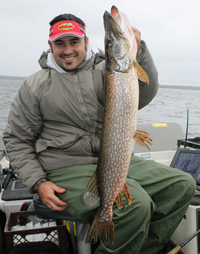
(68, 50)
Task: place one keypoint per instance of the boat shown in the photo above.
(167, 139)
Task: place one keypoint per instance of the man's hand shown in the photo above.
(137, 36)
(46, 192)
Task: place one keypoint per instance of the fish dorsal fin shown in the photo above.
(127, 193)
(91, 195)
(118, 200)
(142, 75)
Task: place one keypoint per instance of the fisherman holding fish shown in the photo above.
(70, 136)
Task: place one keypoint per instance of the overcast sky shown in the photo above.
(171, 29)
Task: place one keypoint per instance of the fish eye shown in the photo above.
(109, 42)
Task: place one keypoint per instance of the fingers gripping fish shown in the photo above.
(119, 125)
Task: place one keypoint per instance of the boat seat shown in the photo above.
(78, 243)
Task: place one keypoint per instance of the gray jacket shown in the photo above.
(56, 118)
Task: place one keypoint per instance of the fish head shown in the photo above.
(120, 42)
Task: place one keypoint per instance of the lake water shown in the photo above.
(169, 106)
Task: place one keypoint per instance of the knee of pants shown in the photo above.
(191, 182)
(144, 207)
(187, 186)
(140, 210)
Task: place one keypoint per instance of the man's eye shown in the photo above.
(59, 43)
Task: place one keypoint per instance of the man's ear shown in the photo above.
(50, 46)
(86, 42)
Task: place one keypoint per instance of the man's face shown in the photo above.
(69, 52)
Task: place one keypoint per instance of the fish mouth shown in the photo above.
(111, 24)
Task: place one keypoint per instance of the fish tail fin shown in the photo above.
(91, 195)
(142, 138)
(100, 230)
(127, 193)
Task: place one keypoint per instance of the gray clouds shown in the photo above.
(169, 27)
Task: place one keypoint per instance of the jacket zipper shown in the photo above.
(84, 110)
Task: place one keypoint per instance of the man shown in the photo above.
(53, 135)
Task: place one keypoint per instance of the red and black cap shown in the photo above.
(66, 28)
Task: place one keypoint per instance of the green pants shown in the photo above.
(160, 197)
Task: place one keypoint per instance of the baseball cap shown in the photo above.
(66, 28)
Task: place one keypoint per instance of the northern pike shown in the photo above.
(119, 124)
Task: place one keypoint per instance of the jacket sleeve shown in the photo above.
(147, 92)
(23, 127)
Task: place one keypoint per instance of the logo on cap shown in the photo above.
(66, 26)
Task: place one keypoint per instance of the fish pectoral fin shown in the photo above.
(142, 138)
(127, 193)
(91, 195)
(142, 75)
(118, 200)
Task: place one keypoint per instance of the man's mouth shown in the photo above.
(68, 58)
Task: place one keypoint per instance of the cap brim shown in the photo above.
(66, 35)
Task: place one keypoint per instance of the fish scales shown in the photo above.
(119, 120)
(119, 125)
